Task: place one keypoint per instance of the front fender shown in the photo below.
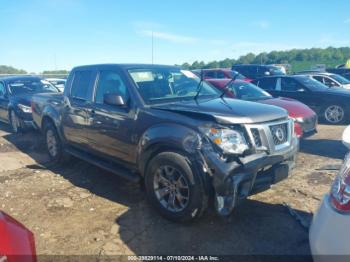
(165, 137)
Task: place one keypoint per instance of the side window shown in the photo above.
(110, 82)
(2, 90)
(81, 85)
(267, 83)
(319, 78)
(210, 74)
(330, 82)
(289, 84)
(220, 75)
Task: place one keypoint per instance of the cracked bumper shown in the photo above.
(234, 181)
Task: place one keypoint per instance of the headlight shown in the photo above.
(25, 109)
(230, 141)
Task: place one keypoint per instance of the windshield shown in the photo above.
(311, 83)
(248, 91)
(275, 71)
(340, 79)
(160, 85)
(22, 87)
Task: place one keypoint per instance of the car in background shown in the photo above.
(305, 118)
(345, 72)
(57, 82)
(331, 104)
(220, 73)
(329, 231)
(17, 243)
(330, 80)
(257, 71)
(15, 99)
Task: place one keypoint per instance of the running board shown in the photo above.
(111, 167)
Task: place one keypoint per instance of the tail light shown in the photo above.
(340, 191)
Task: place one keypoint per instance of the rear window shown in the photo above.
(82, 83)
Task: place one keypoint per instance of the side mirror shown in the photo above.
(346, 137)
(114, 100)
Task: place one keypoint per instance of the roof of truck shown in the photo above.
(125, 66)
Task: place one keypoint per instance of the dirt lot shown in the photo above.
(81, 209)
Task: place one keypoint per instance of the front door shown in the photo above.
(110, 132)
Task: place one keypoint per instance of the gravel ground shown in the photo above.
(79, 209)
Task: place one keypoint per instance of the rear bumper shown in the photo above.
(235, 181)
(328, 236)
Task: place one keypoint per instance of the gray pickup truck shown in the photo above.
(164, 127)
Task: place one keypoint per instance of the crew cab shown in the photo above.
(163, 126)
(305, 119)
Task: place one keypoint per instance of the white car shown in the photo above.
(329, 232)
(57, 82)
(331, 80)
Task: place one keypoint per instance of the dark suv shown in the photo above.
(257, 71)
(163, 126)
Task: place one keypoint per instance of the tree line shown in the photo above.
(298, 59)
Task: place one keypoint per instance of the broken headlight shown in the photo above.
(228, 140)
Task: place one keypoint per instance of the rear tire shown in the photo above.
(175, 188)
(54, 145)
(334, 114)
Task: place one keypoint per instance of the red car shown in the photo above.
(220, 73)
(305, 118)
(16, 241)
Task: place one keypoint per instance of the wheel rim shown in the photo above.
(334, 114)
(51, 143)
(171, 188)
(14, 122)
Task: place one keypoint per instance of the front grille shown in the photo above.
(256, 137)
(279, 133)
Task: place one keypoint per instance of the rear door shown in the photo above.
(110, 132)
(3, 102)
(289, 87)
(77, 104)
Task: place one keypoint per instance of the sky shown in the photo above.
(39, 35)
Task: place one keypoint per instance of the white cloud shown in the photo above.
(262, 24)
(175, 38)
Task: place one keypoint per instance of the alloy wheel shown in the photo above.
(334, 114)
(171, 188)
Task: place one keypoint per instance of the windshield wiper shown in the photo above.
(199, 87)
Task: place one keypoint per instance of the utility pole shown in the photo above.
(152, 48)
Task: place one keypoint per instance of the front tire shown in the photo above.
(15, 122)
(175, 188)
(334, 114)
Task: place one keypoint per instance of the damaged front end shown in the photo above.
(245, 168)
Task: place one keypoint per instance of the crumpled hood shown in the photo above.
(295, 108)
(228, 111)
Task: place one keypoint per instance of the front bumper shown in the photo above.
(234, 181)
(328, 238)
